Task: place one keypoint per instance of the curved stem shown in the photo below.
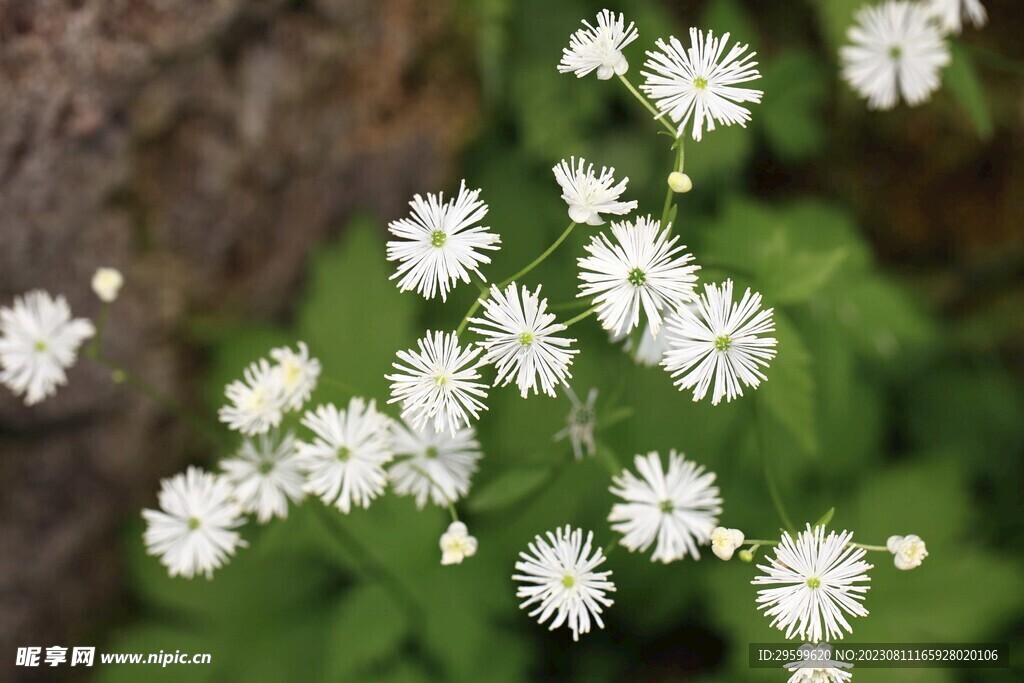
(650, 107)
(769, 477)
(585, 314)
(540, 259)
(995, 60)
(670, 194)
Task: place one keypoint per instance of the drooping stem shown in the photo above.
(120, 375)
(769, 476)
(650, 107)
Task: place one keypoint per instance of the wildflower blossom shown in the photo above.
(675, 510)
(266, 473)
(641, 269)
(434, 465)
(440, 243)
(698, 85)
(817, 666)
(39, 341)
(520, 340)
(588, 194)
(908, 551)
(818, 580)
(456, 544)
(344, 463)
(193, 531)
(299, 374)
(580, 424)
(599, 48)
(896, 51)
(439, 383)
(719, 340)
(559, 580)
(724, 542)
(106, 283)
(950, 14)
(257, 402)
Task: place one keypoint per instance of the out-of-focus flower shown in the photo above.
(106, 283)
(299, 374)
(266, 474)
(908, 551)
(433, 465)
(580, 424)
(457, 544)
(256, 401)
(724, 542)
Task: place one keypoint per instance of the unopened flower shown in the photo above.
(908, 551)
(950, 13)
(819, 580)
(698, 84)
(440, 242)
(345, 461)
(896, 51)
(257, 401)
(457, 544)
(679, 182)
(39, 341)
(558, 579)
(439, 384)
(642, 269)
(580, 424)
(599, 48)
(193, 532)
(720, 341)
(266, 474)
(106, 283)
(674, 511)
(299, 374)
(588, 194)
(433, 465)
(724, 542)
(520, 340)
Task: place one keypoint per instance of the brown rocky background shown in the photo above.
(203, 147)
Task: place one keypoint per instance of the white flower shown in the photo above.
(520, 340)
(106, 283)
(819, 581)
(675, 509)
(299, 374)
(896, 51)
(724, 542)
(641, 269)
(817, 666)
(580, 424)
(650, 350)
(559, 578)
(718, 340)
(599, 48)
(439, 243)
(908, 551)
(949, 13)
(193, 531)
(257, 401)
(434, 465)
(589, 195)
(39, 340)
(266, 473)
(698, 84)
(345, 462)
(457, 544)
(438, 383)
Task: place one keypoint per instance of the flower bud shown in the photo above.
(724, 542)
(908, 551)
(679, 182)
(456, 544)
(746, 556)
(107, 283)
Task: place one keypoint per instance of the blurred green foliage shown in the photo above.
(873, 406)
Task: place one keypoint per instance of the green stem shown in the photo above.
(96, 347)
(754, 542)
(610, 546)
(995, 60)
(585, 314)
(347, 388)
(650, 107)
(569, 305)
(769, 477)
(670, 194)
(469, 314)
(120, 374)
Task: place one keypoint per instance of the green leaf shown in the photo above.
(962, 80)
(834, 18)
(368, 626)
(791, 115)
(788, 394)
(509, 488)
(826, 518)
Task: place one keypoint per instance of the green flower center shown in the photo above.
(437, 238)
(526, 338)
(667, 507)
(637, 277)
(895, 51)
(441, 380)
(265, 467)
(813, 582)
(344, 453)
(431, 452)
(700, 83)
(568, 581)
(722, 343)
(193, 523)
(40, 346)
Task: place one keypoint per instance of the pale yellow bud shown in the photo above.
(679, 182)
